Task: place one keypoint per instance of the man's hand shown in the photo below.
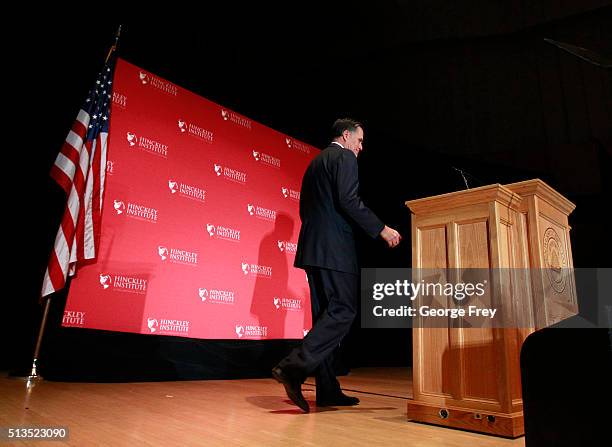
(391, 237)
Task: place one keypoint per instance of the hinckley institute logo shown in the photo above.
(153, 81)
(296, 145)
(291, 194)
(230, 174)
(177, 256)
(73, 318)
(266, 159)
(289, 304)
(187, 191)
(120, 100)
(251, 331)
(287, 247)
(261, 271)
(146, 144)
(166, 326)
(191, 129)
(221, 232)
(233, 117)
(135, 211)
(260, 212)
(123, 283)
(215, 296)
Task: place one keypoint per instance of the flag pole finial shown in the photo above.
(114, 47)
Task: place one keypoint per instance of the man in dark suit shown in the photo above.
(330, 210)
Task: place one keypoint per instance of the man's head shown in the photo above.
(349, 133)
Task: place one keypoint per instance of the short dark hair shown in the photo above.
(342, 124)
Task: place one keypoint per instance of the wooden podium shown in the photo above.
(469, 378)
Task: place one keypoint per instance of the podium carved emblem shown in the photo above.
(555, 260)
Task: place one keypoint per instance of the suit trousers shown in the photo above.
(333, 297)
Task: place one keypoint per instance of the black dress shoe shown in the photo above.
(293, 388)
(337, 401)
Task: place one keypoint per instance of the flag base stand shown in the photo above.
(34, 375)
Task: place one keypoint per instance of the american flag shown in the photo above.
(80, 170)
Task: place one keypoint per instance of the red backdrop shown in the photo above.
(200, 221)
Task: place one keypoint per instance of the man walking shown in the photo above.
(330, 208)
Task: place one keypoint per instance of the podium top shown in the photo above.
(466, 197)
(508, 195)
(537, 187)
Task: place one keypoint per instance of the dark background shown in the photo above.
(438, 84)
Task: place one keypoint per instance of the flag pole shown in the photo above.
(34, 374)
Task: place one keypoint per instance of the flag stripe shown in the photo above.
(102, 167)
(55, 277)
(61, 178)
(82, 118)
(99, 169)
(66, 165)
(80, 183)
(72, 147)
(67, 227)
(88, 245)
(75, 140)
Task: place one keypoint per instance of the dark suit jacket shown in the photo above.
(329, 208)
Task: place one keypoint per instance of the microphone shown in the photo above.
(460, 171)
